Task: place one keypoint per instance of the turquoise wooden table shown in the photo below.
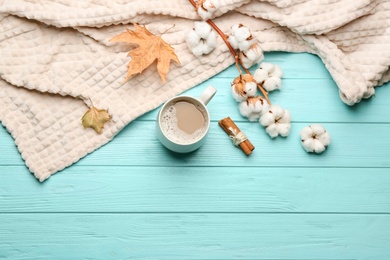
(134, 199)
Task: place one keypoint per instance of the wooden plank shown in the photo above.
(197, 189)
(353, 145)
(194, 236)
(309, 100)
(294, 65)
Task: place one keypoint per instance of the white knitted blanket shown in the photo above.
(55, 57)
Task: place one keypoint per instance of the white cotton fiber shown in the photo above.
(202, 39)
(252, 56)
(260, 75)
(272, 83)
(277, 121)
(314, 138)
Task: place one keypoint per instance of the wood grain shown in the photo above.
(352, 146)
(195, 236)
(199, 189)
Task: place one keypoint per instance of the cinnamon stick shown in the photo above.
(238, 137)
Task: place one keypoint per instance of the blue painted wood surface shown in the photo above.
(134, 199)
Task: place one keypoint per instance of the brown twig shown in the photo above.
(238, 65)
(235, 55)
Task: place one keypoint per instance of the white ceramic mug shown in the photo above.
(176, 143)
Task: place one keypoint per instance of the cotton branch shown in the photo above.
(233, 52)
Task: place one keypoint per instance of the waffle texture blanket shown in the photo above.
(56, 57)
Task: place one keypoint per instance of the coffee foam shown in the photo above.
(171, 130)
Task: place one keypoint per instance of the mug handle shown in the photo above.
(207, 94)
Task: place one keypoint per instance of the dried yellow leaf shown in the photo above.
(151, 48)
(95, 118)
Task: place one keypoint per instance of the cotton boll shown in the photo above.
(243, 86)
(253, 107)
(315, 138)
(204, 14)
(242, 33)
(252, 56)
(255, 53)
(202, 39)
(269, 75)
(249, 90)
(211, 5)
(277, 121)
(241, 37)
(260, 75)
(269, 67)
(272, 83)
(206, 8)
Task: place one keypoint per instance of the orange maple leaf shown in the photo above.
(151, 48)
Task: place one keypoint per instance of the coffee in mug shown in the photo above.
(183, 122)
